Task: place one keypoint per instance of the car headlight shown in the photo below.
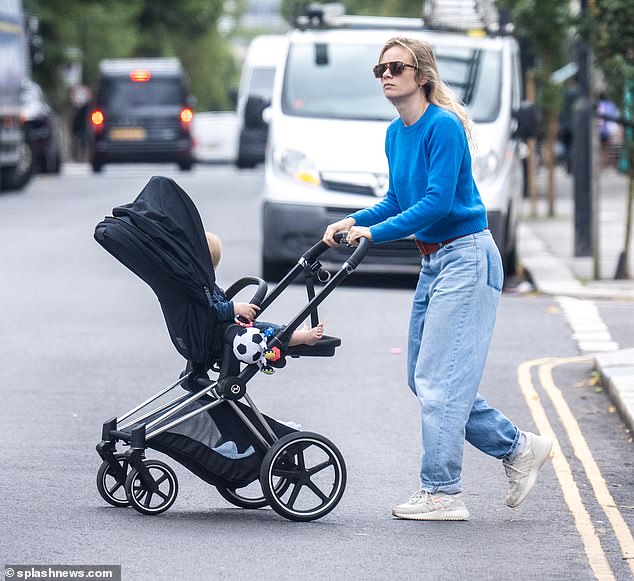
(295, 164)
(486, 166)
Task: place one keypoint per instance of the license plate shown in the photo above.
(127, 134)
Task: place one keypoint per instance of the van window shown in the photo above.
(121, 93)
(336, 81)
(261, 84)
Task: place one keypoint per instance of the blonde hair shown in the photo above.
(436, 91)
(215, 247)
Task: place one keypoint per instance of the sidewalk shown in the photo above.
(546, 253)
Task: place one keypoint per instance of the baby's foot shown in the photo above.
(307, 336)
(313, 335)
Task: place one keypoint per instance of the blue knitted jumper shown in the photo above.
(431, 191)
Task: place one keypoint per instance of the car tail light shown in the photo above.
(186, 117)
(140, 76)
(97, 119)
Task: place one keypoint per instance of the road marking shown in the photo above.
(588, 329)
(583, 522)
(582, 451)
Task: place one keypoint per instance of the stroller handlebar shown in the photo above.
(243, 283)
(341, 237)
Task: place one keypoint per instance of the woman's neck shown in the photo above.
(411, 110)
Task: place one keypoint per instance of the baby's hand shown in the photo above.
(245, 310)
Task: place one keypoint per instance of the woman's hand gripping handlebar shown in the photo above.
(340, 239)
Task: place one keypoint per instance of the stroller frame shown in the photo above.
(151, 486)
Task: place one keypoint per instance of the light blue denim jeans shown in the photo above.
(451, 325)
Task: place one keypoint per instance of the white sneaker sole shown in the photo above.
(445, 514)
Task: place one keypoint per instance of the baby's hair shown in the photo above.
(215, 247)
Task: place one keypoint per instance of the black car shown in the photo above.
(141, 113)
(42, 130)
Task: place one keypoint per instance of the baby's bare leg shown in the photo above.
(307, 336)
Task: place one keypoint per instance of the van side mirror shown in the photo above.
(253, 118)
(525, 121)
(233, 97)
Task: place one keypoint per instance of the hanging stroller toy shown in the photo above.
(214, 429)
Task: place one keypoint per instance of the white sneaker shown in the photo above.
(522, 472)
(427, 506)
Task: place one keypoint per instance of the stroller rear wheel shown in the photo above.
(314, 471)
(152, 497)
(251, 496)
(111, 482)
(243, 497)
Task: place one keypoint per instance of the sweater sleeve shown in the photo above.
(221, 307)
(445, 146)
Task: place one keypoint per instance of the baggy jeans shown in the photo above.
(451, 325)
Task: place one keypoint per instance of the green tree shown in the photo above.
(610, 30)
(126, 28)
(544, 25)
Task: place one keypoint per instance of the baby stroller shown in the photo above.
(211, 426)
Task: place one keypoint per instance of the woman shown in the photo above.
(432, 195)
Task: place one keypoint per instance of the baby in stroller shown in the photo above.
(226, 310)
(301, 475)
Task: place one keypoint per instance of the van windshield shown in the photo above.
(336, 81)
(122, 93)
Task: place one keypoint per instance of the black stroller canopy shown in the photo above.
(160, 237)
(168, 216)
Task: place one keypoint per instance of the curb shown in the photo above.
(616, 370)
(551, 276)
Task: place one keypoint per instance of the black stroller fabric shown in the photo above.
(196, 442)
(160, 237)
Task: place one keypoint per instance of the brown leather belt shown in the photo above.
(427, 248)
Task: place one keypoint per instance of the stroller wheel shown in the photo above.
(111, 482)
(247, 497)
(313, 471)
(140, 493)
(251, 496)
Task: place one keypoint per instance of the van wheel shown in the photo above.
(185, 165)
(242, 163)
(97, 167)
(510, 262)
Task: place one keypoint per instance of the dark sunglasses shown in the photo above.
(396, 68)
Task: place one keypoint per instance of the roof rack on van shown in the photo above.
(464, 15)
(333, 15)
(157, 66)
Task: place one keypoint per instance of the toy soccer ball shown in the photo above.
(249, 345)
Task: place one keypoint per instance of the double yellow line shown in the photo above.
(583, 522)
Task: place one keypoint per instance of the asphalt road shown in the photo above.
(82, 339)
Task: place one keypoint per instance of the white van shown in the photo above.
(328, 118)
(264, 55)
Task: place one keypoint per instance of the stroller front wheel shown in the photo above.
(111, 482)
(313, 471)
(152, 497)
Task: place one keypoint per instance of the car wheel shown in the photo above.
(16, 177)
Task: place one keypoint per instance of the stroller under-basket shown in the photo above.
(212, 427)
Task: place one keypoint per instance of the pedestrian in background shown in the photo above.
(432, 195)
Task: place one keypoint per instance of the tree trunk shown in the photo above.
(550, 159)
(623, 266)
(531, 162)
